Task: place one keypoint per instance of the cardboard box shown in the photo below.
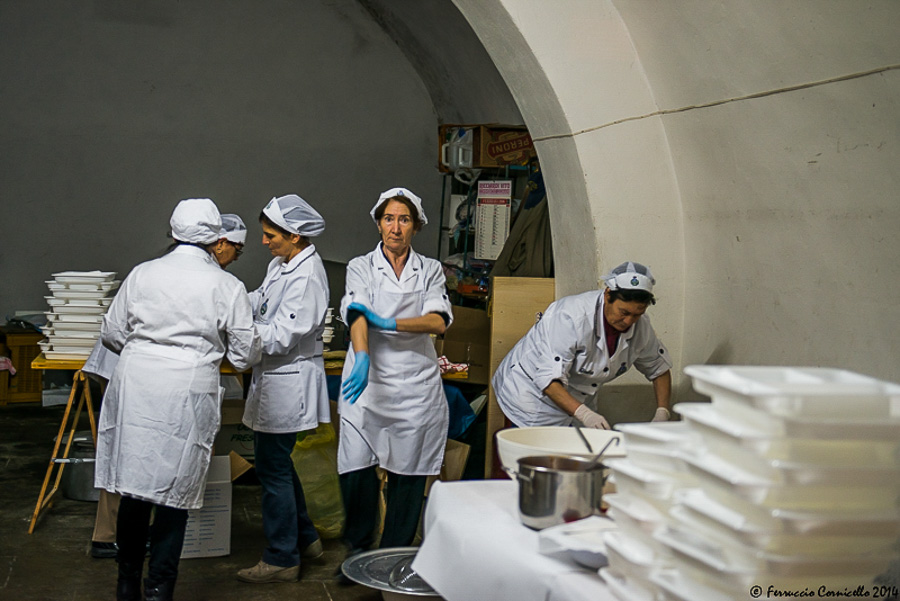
(208, 531)
(234, 436)
(516, 304)
(467, 340)
(493, 145)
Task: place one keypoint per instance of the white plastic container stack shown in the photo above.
(649, 481)
(328, 332)
(78, 301)
(798, 474)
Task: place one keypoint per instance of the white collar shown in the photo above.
(288, 266)
(412, 266)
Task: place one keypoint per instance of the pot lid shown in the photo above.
(387, 570)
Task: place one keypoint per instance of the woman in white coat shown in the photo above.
(393, 409)
(101, 364)
(288, 392)
(554, 373)
(172, 321)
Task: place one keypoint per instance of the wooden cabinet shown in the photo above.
(26, 385)
(514, 308)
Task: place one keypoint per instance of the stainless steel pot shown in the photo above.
(555, 489)
(77, 482)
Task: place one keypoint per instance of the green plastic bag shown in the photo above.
(315, 459)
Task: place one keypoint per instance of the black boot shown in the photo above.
(128, 585)
(128, 589)
(159, 592)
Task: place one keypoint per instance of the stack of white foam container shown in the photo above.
(797, 485)
(649, 481)
(78, 301)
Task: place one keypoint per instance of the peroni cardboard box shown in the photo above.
(493, 145)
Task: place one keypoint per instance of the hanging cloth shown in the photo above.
(528, 251)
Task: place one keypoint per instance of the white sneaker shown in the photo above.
(314, 550)
(263, 572)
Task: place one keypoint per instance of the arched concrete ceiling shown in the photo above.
(464, 84)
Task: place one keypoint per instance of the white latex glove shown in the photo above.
(662, 415)
(591, 419)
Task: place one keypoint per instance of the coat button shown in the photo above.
(557, 358)
(594, 385)
(605, 369)
(661, 351)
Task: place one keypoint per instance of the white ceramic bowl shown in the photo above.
(515, 443)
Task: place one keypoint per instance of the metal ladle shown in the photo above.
(597, 457)
(584, 439)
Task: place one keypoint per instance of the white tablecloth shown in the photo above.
(475, 547)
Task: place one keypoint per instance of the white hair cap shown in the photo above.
(233, 229)
(295, 215)
(393, 193)
(630, 276)
(196, 220)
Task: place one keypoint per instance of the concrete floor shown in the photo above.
(54, 562)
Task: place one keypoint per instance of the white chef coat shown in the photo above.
(172, 321)
(288, 391)
(400, 420)
(569, 344)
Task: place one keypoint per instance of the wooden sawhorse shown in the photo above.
(81, 382)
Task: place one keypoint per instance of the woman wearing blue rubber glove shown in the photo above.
(393, 410)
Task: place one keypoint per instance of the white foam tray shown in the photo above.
(798, 391)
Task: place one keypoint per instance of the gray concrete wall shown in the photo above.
(113, 111)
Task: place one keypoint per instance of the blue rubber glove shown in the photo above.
(358, 379)
(382, 323)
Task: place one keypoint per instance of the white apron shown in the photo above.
(400, 420)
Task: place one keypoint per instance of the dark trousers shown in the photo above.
(286, 522)
(403, 500)
(166, 537)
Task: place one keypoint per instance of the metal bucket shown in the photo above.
(77, 482)
(555, 489)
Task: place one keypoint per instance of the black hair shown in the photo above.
(417, 221)
(632, 296)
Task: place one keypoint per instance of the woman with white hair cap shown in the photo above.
(232, 238)
(393, 410)
(554, 373)
(172, 321)
(288, 392)
(101, 363)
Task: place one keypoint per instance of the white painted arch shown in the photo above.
(748, 152)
